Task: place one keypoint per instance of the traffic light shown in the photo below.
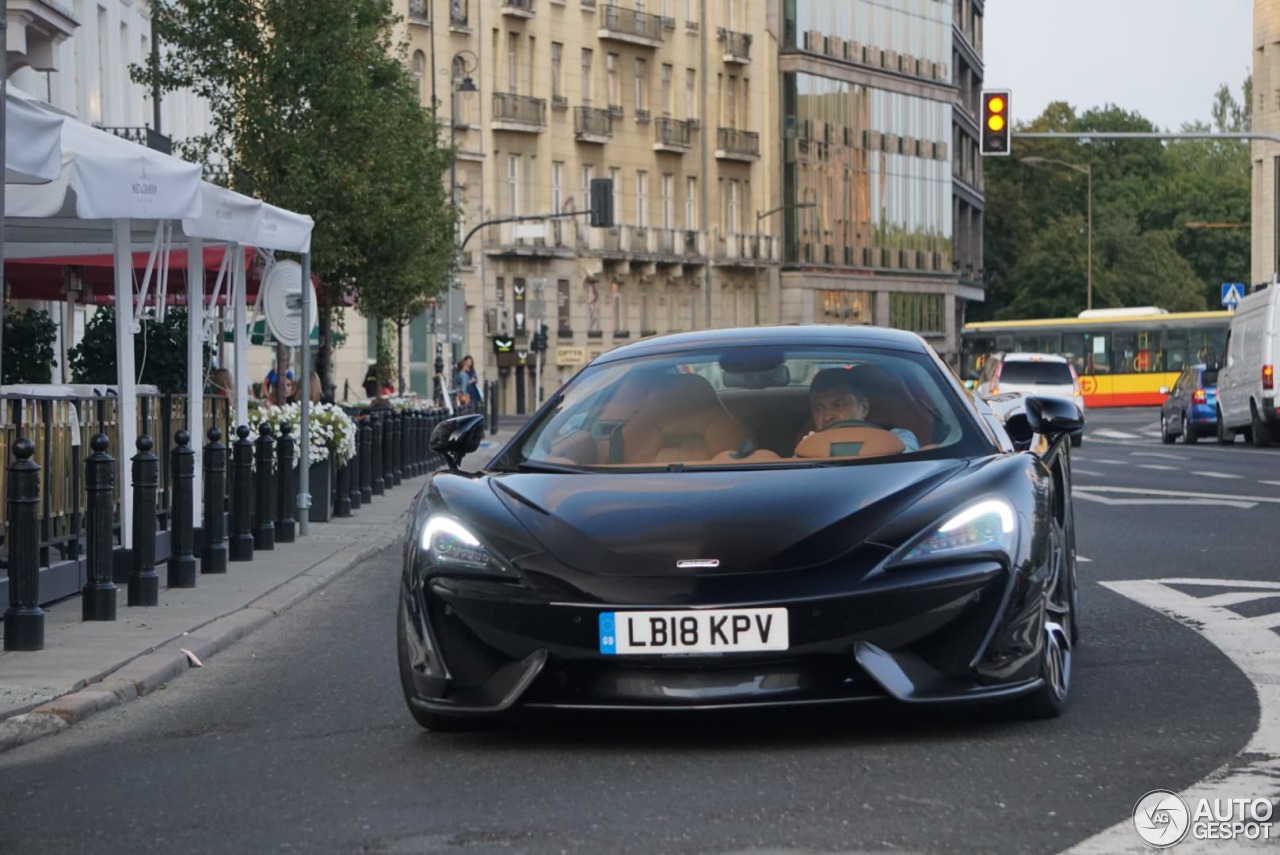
(601, 203)
(539, 343)
(997, 128)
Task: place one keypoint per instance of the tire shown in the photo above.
(1165, 437)
(1050, 698)
(425, 718)
(1225, 437)
(1189, 435)
(1261, 430)
(1077, 439)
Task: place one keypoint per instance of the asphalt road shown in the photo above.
(297, 740)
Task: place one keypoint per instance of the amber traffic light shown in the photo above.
(996, 128)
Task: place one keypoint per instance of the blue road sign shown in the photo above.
(1232, 292)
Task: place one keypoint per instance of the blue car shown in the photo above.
(1191, 408)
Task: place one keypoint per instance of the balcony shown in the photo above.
(142, 136)
(632, 27)
(419, 12)
(748, 250)
(592, 125)
(519, 113)
(733, 144)
(737, 46)
(517, 8)
(673, 135)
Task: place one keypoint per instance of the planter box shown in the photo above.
(321, 489)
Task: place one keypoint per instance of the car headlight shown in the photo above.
(450, 544)
(987, 526)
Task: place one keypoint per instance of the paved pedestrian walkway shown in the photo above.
(90, 666)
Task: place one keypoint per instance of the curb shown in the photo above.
(151, 670)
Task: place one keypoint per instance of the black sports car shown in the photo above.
(747, 517)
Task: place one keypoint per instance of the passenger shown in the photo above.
(835, 402)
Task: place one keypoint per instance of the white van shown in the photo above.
(1247, 401)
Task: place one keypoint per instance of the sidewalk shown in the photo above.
(90, 666)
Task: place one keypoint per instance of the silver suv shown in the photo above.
(1046, 375)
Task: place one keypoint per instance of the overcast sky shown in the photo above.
(1161, 58)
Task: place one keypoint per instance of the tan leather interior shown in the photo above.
(760, 455)
(849, 442)
(682, 420)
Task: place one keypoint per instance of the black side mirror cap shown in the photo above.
(1053, 417)
(457, 437)
(1018, 426)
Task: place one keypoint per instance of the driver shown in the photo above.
(834, 401)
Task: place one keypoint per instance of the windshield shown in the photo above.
(1035, 373)
(738, 406)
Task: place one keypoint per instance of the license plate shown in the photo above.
(693, 631)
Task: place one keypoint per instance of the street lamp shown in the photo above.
(760, 215)
(464, 64)
(1086, 170)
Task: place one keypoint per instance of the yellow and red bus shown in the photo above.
(1122, 356)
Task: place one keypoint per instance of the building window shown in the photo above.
(668, 201)
(613, 87)
(615, 179)
(691, 94)
(586, 76)
(642, 86)
(557, 50)
(642, 198)
(666, 89)
(731, 103)
(588, 172)
(513, 59)
(513, 185)
(557, 186)
(691, 203)
(920, 313)
(458, 13)
(419, 73)
(619, 322)
(731, 209)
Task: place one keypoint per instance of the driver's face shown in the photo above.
(835, 405)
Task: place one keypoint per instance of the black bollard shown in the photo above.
(241, 535)
(397, 449)
(144, 582)
(286, 489)
(264, 533)
(388, 450)
(375, 458)
(366, 459)
(342, 502)
(213, 555)
(182, 560)
(354, 464)
(98, 596)
(411, 444)
(24, 619)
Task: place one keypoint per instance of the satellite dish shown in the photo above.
(281, 299)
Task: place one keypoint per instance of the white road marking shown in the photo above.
(1082, 558)
(1272, 483)
(1215, 475)
(1110, 433)
(1255, 650)
(1078, 471)
(1158, 466)
(1150, 491)
(1112, 462)
(1221, 503)
(1181, 458)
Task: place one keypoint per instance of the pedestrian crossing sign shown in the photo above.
(1232, 292)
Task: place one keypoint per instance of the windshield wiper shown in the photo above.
(541, 466)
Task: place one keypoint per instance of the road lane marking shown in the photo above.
(1082, 558)
(1181, 458)
(1272, 483)
(1221, 503)
(1112, 462)
(1159, 467)
(1255, 650)
(1216, 475)
(1145, 491)
(1111, 433)
(1085, 472)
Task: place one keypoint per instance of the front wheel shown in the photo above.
(1225, 437)
(1189, 435)
(425, 718)
(1165, 437)
(1049, 700)
(1261, 431)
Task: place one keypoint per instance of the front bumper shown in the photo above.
(966, 632)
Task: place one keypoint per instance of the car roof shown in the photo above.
(790, 335)
(1033, 357)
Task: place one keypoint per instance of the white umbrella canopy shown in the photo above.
(32, 139)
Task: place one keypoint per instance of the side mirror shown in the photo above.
(457, 437)
(1164, 390)
(1053, 417)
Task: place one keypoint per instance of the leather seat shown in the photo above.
(683, 419)
(849, 442)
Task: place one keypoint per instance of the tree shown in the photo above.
(159, 352)
(312, 108)
(28, 346)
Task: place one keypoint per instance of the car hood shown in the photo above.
(745, 521)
